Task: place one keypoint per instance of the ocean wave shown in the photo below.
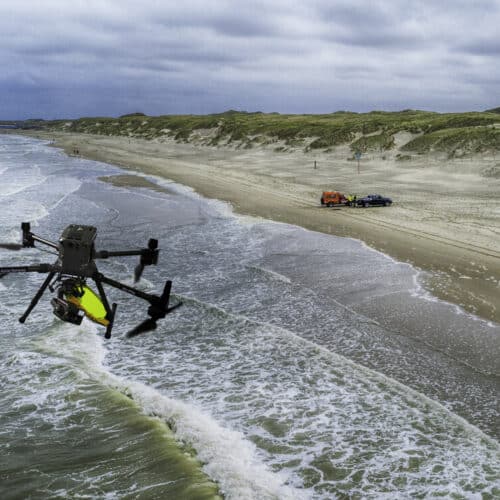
(313, 413)
(228, 457)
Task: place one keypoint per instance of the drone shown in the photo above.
(75, 265)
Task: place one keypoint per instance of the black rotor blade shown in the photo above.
(173, 308)
(138, 272)
(146, 326)
(165, 296)
(11, 246)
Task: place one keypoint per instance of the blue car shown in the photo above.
(374, 200)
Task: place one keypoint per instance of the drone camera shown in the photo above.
(66, 311)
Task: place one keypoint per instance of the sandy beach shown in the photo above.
(445, 219)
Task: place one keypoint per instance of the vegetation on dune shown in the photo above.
(132, 114)
(377, 142)
(493, 172)
(456, 133)
(494, 110)
(457, 141)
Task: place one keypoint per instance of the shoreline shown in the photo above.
(456, 270)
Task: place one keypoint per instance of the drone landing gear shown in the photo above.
(37, 297)
(111, 318)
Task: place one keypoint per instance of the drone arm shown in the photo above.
(37, 268)
(44, 241)
(125, 288)
(29, 238)
(104, 254)
(148, 255)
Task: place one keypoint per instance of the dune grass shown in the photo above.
(451, 132)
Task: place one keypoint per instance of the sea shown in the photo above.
(300, 365)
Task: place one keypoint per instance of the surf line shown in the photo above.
(226, 456)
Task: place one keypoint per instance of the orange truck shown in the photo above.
(331, 198)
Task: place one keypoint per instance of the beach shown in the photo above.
(445, 219)
(301, 364)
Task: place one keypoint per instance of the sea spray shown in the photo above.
(228, 458)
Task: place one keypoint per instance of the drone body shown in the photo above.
(76, 264)
(76, 250)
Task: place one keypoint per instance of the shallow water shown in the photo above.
(300, 366)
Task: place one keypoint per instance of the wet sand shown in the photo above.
(445, 218)
(134, 181)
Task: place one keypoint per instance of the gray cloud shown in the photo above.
(110, 57)
(236, 26)
(487, 47)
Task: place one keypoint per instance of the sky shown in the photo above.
(73, 58)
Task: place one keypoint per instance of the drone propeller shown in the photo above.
(28, 239)
(146, 326)
(138, 272)
(158, 310)
(11, 246)
(150, 256)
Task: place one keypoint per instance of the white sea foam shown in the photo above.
(20, 180)
(17, 210)
(70, 186)
(228, 457)
(420, 292)
(223, 208)
(339, 407)
(273, 274)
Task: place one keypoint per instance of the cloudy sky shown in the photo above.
(71, 58)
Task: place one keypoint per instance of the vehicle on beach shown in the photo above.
(331, 198)
(336, 198)
(373, 200)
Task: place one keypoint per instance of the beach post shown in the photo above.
(357, 155)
